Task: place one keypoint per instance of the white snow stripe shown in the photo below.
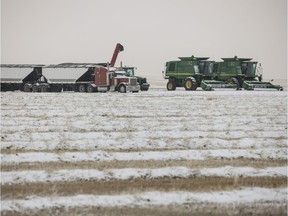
(40, 157)
(21, 177)
(146, 199)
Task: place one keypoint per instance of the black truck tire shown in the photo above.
(82, 88)
(44, 88)
(90, 88)
(35, 87)
(27, 87)
(122, 89)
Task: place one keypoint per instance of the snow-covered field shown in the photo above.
(221, 152)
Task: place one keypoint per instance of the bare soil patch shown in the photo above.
(262, 163)
(203, 209)
(202, 184)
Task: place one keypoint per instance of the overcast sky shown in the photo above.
(151, 31)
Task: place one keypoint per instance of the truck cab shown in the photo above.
(114, 80)
(130, 72)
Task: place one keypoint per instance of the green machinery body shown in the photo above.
(184, 73)
(192, 72)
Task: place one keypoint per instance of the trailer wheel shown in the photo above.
(122, 89)
(90, 88)
(44, 88)
(171, 85)
(190, 84)
(35, 87)
(82, 88)
(27, 87)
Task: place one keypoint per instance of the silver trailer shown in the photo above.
(50, 78)
(15, 76)
(69, 76)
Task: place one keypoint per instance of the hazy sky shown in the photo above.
(151, 31)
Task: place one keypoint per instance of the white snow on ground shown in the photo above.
(150, 120)
(27, 176)
(147, 199)
(98, 127)
(41, 157)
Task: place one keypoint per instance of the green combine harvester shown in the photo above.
(237, 73)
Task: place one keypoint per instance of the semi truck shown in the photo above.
(78, 77)
(192, 72)
(130, 72)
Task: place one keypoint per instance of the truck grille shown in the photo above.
(133, 81)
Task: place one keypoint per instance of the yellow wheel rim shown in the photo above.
(170, 86)
(188, 84)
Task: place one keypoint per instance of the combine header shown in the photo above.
(237, 73)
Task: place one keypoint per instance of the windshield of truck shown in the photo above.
(130, 72)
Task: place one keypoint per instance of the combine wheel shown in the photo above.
(82, 88)
(235, 81)
(171, 85)
(190, 84)
(27, 87)
(122, 89)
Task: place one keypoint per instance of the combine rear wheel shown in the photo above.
(171, 85)
(190, 84)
